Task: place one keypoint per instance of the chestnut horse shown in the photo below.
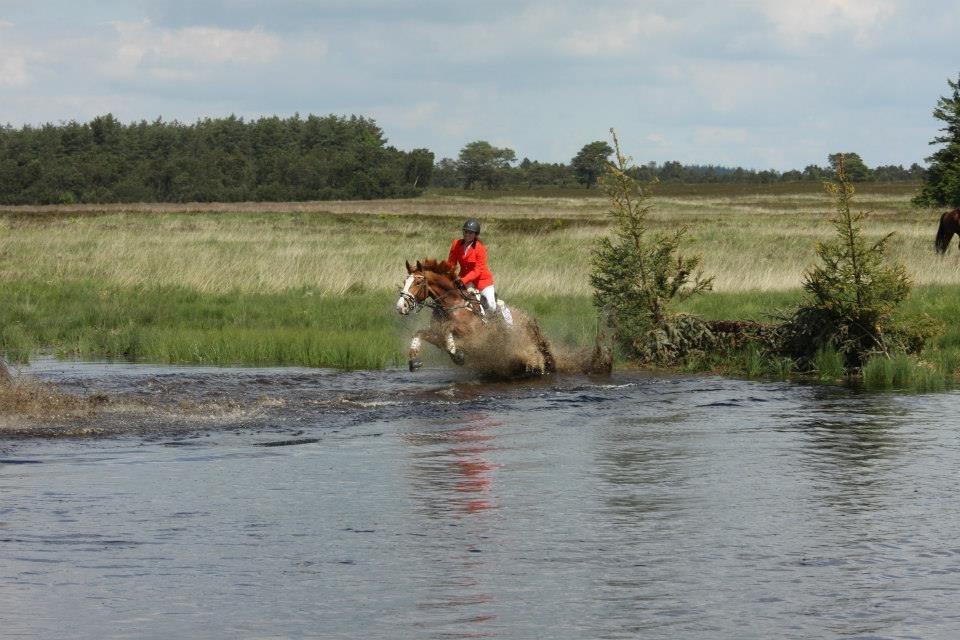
(431, 284)
(457, 318)
(949, 225)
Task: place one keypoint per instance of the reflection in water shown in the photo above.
(850, 446)
(451, 477)
(642, 462)
(450, 469)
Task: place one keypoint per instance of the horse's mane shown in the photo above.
(439, 267)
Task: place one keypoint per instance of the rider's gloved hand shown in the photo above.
(459, 283)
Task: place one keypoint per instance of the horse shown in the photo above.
(949, 225)
(458, 324)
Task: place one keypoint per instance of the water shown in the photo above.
(391, 505)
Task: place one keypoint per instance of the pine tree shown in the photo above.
(851, 294)
(942, 184)
(637, 275)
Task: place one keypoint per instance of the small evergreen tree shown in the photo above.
(851, 294)
(942, 184)
(637, 275)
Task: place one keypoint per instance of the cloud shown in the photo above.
(14, 60)
(188, 52)
(13, 70)
(613, 33)
(799, 23)
(720, 136)
(742, 86)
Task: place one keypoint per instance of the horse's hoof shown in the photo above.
(457, 357)
(415, 364)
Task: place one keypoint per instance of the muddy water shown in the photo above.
(299, 503)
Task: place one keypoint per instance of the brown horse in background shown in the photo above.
(949, 225)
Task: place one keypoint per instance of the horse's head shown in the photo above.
(424, 280)
(415, 290)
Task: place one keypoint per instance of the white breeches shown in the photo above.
(490, 302)
(489, 298)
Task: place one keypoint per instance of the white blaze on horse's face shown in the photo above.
(403, 306)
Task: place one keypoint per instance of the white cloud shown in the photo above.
(799, 22)
(188, 52)
(739, 86)
(412, 116)
(13, 70)
(14, 61)
(710, 136)
(613, 33)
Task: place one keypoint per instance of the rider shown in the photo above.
(471, 255)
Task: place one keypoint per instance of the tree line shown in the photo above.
(480, 165)
(338, 157)
(221, 159)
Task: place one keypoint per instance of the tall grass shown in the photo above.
(176, 324)
(315, 283)
(907, 372)
(537, 245)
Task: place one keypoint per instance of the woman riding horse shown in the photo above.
(456, 322)
(471, 255)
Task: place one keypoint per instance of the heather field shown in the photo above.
(314, 283)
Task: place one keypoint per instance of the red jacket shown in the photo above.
(473, 266)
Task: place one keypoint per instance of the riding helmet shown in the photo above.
(472, 225)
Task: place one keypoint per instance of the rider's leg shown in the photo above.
(490, 302)
(489, 298)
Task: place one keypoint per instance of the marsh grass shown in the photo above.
(760, 242)
(315, 283)
(904, 372)
(174, 324)
(828, 364)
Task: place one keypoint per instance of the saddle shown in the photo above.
(473, 294)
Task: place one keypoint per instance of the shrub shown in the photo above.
(637, 275)
(850, 295)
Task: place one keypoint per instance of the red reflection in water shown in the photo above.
(473, 470)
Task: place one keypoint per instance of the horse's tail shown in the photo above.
(943, 235)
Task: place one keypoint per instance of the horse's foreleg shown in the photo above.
(416, 343)
(440, 341)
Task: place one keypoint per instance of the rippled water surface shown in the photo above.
(390, 505)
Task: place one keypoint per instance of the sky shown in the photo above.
(762, 84)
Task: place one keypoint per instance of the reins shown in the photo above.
(432, 300)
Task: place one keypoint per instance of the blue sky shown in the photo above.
(755, 83)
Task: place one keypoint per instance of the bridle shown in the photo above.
(431, 299)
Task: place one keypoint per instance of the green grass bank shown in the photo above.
(361, 330)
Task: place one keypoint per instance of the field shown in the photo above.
(315, 283)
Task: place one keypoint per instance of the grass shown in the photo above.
(755, 242)
(314, 283)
